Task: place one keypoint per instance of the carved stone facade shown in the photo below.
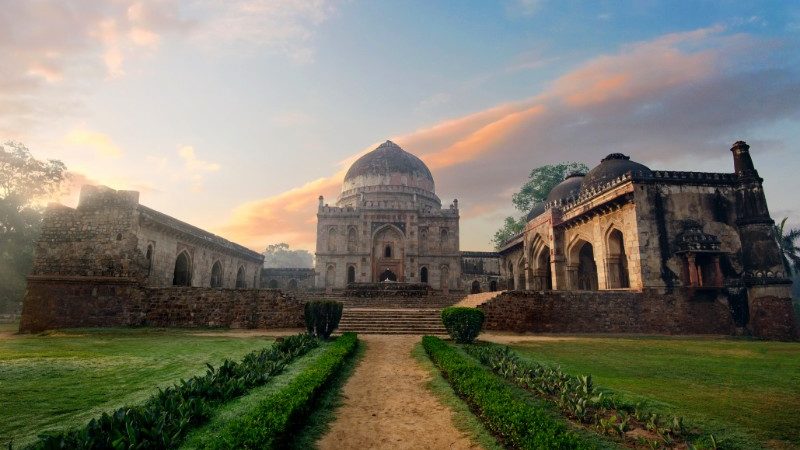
(388, 224)
(625, 227)
(480, 271)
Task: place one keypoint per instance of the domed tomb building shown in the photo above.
(388, 224)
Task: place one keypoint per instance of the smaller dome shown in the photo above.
(567, 188)
(537, 210)
(612, 166)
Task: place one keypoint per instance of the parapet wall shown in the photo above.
(606, 312)
(71, 302)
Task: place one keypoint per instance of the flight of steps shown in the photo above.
(392, 321)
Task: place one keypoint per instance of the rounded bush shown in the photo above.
(322, 317)
(463, 324)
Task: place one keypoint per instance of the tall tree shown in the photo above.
(787, 242)
(279, 255)
(24, 182)
(540, 182)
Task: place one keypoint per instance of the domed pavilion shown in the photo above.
(388, 225)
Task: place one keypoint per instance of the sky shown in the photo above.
(236, 115)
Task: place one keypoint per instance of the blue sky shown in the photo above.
(235, 115)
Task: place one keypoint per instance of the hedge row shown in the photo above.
(517, 421)
(163, 420)
(268, 425)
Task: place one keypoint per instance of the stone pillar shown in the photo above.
(720, 279)
(694, 280)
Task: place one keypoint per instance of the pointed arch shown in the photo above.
(423, 275)
(444, 278)
(216, 274)
(241, 280)
(475, 288)
(182, 275)
(331, 239)
(351, 274)
(273, 284)
(352, 240)
(616, 260)
(582, 266)
(330, 275)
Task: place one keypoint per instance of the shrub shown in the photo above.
(322, 317)
(270, 423)
(519, 421)
(165, 418)
(463, 324)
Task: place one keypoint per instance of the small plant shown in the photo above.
(463, 324)
(322, 317)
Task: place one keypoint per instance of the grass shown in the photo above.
(62, 379)
(745, 392)
(463, 418)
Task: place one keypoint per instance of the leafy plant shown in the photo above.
(518, 421)
(322, 317)
(269, 424)
(462, 324)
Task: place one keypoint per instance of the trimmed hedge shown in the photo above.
(322, 317)
(163, 420)
(463, 324)
(517, 421)
(270, 423)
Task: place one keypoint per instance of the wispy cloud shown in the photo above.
(100, 143)
(195, 169)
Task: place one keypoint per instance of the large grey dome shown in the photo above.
(613, 166)
(386, 160)
(567, 188)
(537, 210)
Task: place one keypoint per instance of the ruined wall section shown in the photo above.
(97, 239)
(288, 279)
(606, 312)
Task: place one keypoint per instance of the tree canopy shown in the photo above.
(540, 182)
(24, 182)
(279, 255)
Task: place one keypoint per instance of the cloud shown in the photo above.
(53, 49)
(682, 95)
(525, 8)
(195, 169)
(100, 143)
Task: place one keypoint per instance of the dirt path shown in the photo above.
(387, 405)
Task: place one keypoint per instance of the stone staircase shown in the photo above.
(473, 300)
(392, 321)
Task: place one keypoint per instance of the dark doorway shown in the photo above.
(388, 275)
(292, 284)
(216, 275)
(476, 287)
(493, 285)
(273, 284)
(240, 280)
(182, 275)
(587, 269)
(387, 252)
(351, 274)
(423, 275)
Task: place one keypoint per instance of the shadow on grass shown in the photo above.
(324, 410)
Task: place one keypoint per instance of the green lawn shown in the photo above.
(729, 386)
(65, 378)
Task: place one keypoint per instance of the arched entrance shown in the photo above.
(444, 280)
(423, 275)
(616, 261)
(182, 276)
(292, 284)
(476, 287)
(388, 254)
(216, 275)
(586, 270)
(493, 285)
(241, 281)
(388, 275)
(273, 284)
(351, 274)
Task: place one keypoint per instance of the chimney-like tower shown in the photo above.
(750, 199)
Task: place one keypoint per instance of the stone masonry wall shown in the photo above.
(606, 312)
(101, 302)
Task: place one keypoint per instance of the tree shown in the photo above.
(540, 182)
(787, 243)
(24, 182)
(279, 255)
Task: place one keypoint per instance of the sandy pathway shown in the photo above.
(386, 404)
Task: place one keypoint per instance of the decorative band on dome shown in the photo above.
(618, 156)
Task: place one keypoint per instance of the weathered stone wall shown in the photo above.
(480, 267)
(102, 302)
(606, 312)
(287, 279)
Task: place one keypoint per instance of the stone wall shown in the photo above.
(606, 312)
(288, 279)
(70, 302)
